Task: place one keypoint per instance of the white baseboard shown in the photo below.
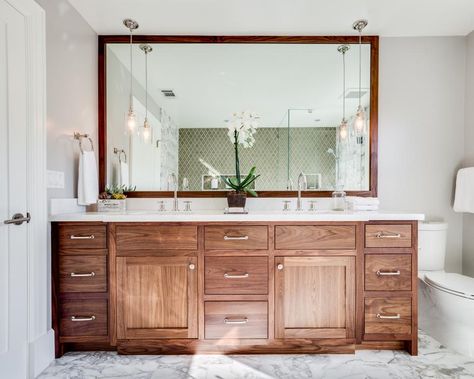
(41, 353)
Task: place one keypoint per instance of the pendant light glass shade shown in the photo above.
(131, 25)
(146, 130)
(360, 121)
(343, 129)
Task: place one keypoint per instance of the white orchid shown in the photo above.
(242, 127)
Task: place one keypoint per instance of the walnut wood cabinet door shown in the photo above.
(314, 297)
(156, 297)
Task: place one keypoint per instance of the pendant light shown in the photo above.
(359, 125)
(131, 118)
(146, 130)
(343, 127)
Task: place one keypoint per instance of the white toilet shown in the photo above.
(446, 300)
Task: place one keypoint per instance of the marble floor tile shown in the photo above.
(434, 361)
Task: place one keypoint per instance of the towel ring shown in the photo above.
(80, 136)
(120, 152)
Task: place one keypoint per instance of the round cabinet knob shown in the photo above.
(280, 266)
(192, 266)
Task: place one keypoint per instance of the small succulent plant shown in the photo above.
(116, 192)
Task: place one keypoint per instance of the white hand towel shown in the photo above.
(358, 200)
(464, 198)
(124, 179)
(87, 183)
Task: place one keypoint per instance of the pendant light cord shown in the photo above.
(343, 85)
(146, 85)
(131, 69)
(360, 66)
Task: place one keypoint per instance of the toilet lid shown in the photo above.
(455, 283)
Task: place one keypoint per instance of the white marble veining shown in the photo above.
(434, 361)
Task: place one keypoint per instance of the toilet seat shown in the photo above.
(456, 284)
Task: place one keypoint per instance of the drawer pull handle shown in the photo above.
(82, 318)
(82, 275)
(236, 238)
(389, 317)
(236, 321)
(388, 273)
(388, 235)
(280, 266)
(236, 276)
(73, 237)
(192, 266)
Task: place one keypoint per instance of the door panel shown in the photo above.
(13, 195)
(315, 297)
(157, 297)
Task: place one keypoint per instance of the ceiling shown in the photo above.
(281, 17)
(212, 81)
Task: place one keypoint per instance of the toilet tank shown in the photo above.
(431, 245)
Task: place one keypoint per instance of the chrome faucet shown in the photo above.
(302, 184)
(174, 181)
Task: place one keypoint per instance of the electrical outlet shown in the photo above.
(55, 179)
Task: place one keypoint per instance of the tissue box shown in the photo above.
(111, 205)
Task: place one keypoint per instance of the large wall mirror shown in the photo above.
(189, 88)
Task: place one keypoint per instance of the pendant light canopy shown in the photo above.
(131, 25)
(343, 127)
(146, 130)
(360, 120)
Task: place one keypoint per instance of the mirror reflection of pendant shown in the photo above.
(185, 184)
(214, 183)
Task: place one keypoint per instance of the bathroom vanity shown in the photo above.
(156, 284)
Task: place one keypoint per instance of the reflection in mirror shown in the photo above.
(194, 89)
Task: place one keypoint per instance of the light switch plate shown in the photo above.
(55, 179)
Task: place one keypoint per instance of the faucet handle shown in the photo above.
(187, 206)
(312, 206)
(162, 207)
(286, 205)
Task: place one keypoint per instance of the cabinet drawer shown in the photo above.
(388, 272)
(156, 237)
(236, 319)
(385, 235)
(388, 315)
(82, 273)
(314, 237)
(236, 275)
(82, 236)
(236, 237)
(83, 318)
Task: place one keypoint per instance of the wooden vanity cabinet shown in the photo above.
(266, 287)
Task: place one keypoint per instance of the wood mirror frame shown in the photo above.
(374, 76)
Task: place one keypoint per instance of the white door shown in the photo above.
(13, 194)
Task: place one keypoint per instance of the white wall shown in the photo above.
(421, 129)
(71, 53)
(468, 218)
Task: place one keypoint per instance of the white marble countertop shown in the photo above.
(219, 216)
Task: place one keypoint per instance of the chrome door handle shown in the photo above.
(18, 219)
(237, 238)
(82, 319)
(237, 276)
(73, 237)
(236, 321)
(82, 275)
(387, 235)
(389, 317)
(388, 273)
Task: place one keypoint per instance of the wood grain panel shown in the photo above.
(156, 237)
(236, 237)
(388, 307)
(157, 297)
(236, 275)
(314, 237)
(83, 308)
(378, 265)
(315, 297)
(253, 313)
(82, 265)
(388, 235)
(85, 236)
